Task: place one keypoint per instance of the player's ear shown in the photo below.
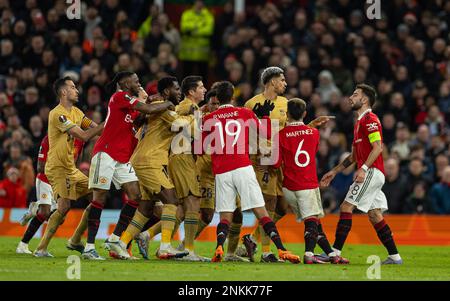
(304, 115)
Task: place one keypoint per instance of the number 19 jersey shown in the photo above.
(298, 145)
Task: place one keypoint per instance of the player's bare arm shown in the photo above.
(153, 107)
(329, 176)
(377, 149)
(320, 121)
(77, 132)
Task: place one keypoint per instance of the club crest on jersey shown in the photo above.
(103, 180)
(372, 126)
(44, 196)
(130, 99)
(63, 119)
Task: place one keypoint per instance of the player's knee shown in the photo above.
(157, 211)
(44, 211)
(346, 207)
(375, 216)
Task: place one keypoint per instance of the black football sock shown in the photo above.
(222, 232)
(94, 221)
(322, 239)
(271, 230)
(126, 215)
(311, 234)
(34, 225)
(343, 228)
(385, 235)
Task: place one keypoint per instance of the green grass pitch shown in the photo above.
(420, 263)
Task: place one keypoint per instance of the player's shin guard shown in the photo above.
(322, 240)
(94, 221)
(343, 228)
(271, 230)
(34, 225)
(54, 221)
(168, 219)
(233, 239)
(190, 229)
(385, 235)
(311, 234)
(126, 215)
(222, 232)
(134, 228)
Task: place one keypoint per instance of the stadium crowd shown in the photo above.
(325, 48)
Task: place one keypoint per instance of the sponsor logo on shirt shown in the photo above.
(372, 126)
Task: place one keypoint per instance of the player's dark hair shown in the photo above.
(59, 83)
(111, 87)
(166, 83)
(190, 83)
(270, 73)
(224, 92)
(209, 94)
(369, 91)
(296, 108)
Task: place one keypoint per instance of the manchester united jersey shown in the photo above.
(117, 139)
(227, 129)
(367, 130)
(298, 145)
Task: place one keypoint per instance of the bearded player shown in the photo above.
(365, 193)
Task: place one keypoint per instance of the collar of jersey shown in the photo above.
(296, 123)
(364, 113)
(226, 106)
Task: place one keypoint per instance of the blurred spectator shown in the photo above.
(418, 201)
(196, 26)
(440, 194)
(23, 163)
(326, 86)
(12, 193)
(395, 186)
(416, 173)
(401, 144)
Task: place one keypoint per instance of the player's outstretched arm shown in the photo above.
(153, 107)
(320, 121)
(329, 176)
(77, 132)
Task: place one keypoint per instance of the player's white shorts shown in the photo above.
(368, 195)
(304, 203)
(105, 170)
(44, 195)
(240, 181)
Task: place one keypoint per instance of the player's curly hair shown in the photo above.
(269, 73)
(112, 86)
(224, 92)
(165, 83)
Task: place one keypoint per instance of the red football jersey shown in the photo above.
(367, 130)
(117, 139)
(298, 145)
(78, 148)
(227, 130)
(42, 157)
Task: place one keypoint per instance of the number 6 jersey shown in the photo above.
(297, 148)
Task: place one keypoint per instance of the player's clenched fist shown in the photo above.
(327, 178)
